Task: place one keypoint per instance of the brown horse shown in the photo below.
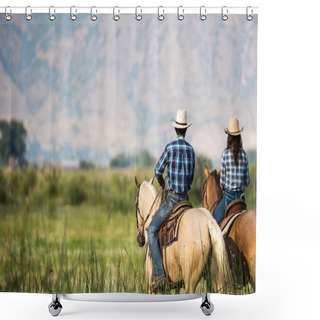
(241, 239)
(200, 245)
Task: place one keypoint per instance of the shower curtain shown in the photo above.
(85, 107)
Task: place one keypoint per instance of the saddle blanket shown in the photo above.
(169, 232)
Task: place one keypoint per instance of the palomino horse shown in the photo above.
(241, 239)
(200, 244)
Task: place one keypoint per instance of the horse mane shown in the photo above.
(151, 188)
(217, 180)
(215, 175)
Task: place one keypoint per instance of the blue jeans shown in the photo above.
(159, 218)
(228, 197)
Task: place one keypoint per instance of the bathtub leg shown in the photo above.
(55, 306)
(206, 306)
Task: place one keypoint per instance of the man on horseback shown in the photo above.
(234, 169)
(179, 158)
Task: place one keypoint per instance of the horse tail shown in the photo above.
(219, 265)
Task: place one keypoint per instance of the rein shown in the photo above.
(144, 221)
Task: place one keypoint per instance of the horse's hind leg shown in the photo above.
(191, 283)
(251, 261)
(191, 277)
(247, 240)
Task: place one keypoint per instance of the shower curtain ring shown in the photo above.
(116, 17)
(160, 16)
(6, 14)
(249, 17)
(224, 13)
(73, 16)
(203, 13)
(93, 17)
(138, 16)
(51, 15)
(28, 13)
(180, 13)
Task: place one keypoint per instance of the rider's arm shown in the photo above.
(160, 181)
(246, 175)
(160, 166)
(223, 172)
(193, 159)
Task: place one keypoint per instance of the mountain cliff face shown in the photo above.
(92, 90)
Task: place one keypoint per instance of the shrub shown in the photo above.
(53, 180)
(28, 180)
(3, 188)
(251, 191)
(76, 190)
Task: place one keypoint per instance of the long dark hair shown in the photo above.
(234, 143)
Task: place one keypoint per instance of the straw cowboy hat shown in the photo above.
(233, 129)
(181, 120)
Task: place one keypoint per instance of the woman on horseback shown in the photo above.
(234, 169)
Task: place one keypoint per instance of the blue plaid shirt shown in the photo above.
(234, 177)
(179, 158)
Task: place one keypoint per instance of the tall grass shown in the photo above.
(80, 250)
(72, 232)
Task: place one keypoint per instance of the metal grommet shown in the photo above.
(73, 16)
(28, 13)
(52, 16)
(6, 14)
(180, 15)
(224, 13)
(93, 17)
(160, 16)
(203, 13)
(116, 17)
(249, 17)
(138, 16)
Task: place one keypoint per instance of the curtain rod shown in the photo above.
(129, 10)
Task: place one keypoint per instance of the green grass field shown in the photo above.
(74, 232)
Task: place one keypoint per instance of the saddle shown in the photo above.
(233, 210)
(169, 230)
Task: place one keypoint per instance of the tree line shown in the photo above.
(13, 137)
